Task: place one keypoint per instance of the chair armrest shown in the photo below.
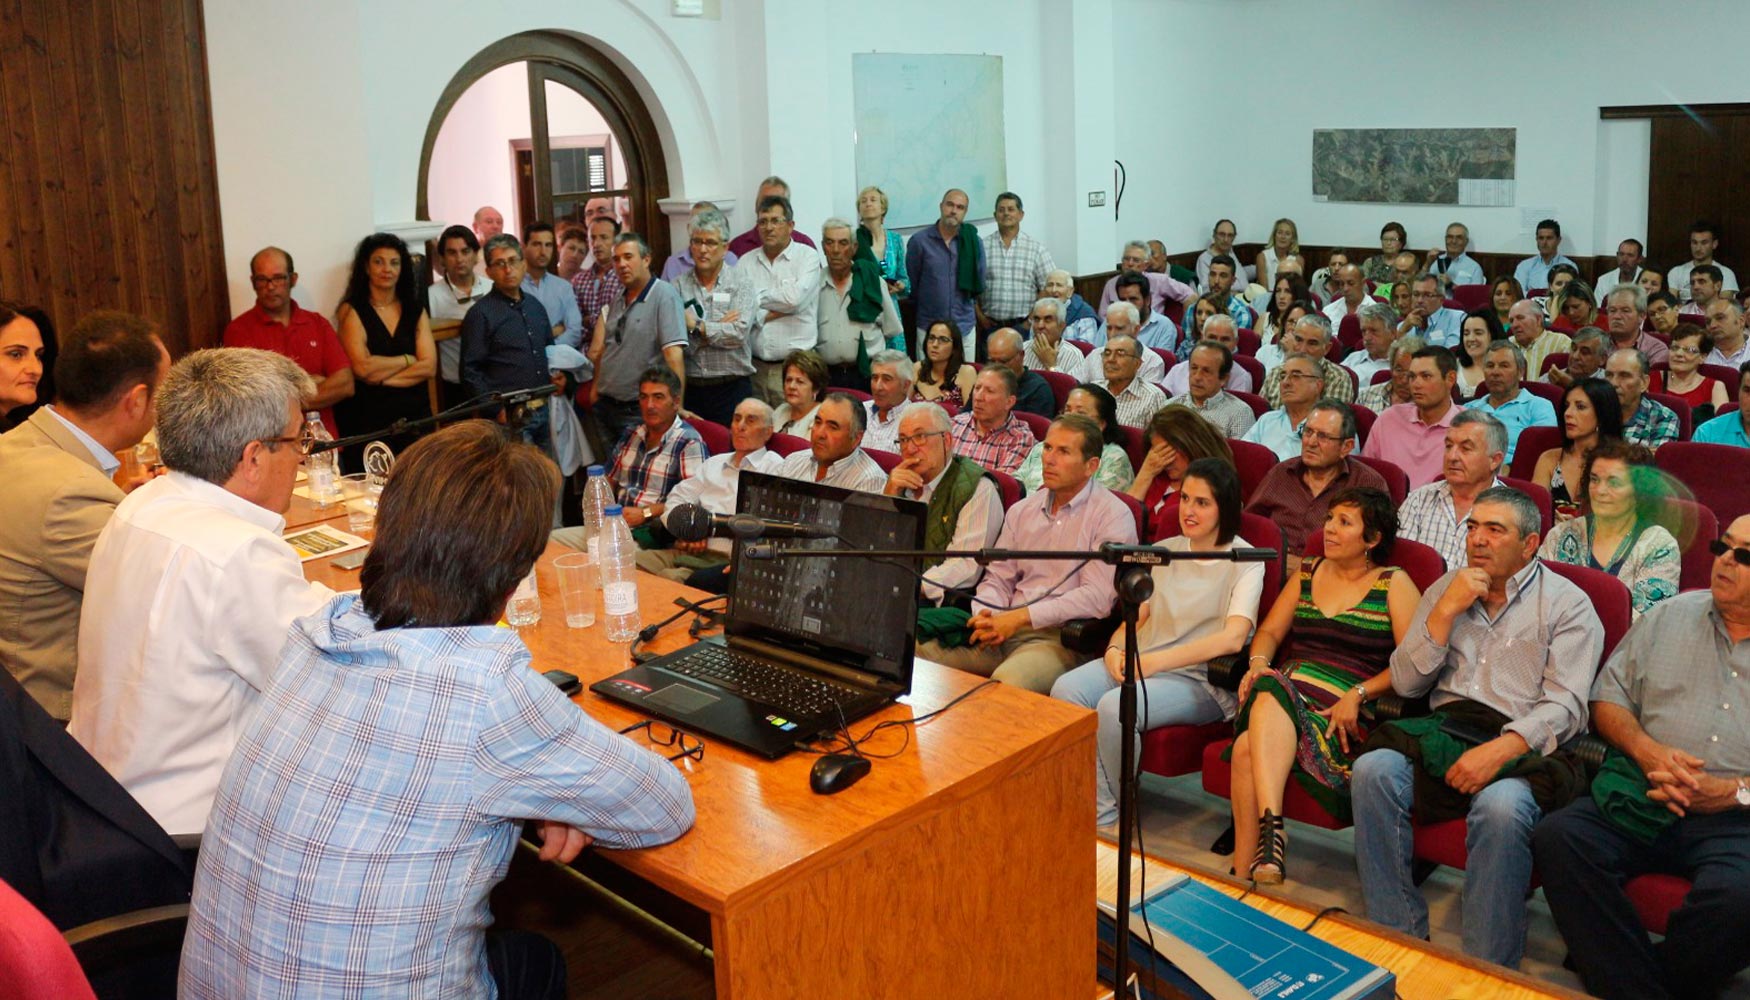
(1390, 707)
(129, 940)
(1226, 672)
(1089, 636)
(190, 846)
(1589, 750)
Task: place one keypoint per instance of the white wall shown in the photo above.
(1290, 66)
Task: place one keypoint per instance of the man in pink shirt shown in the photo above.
(1412, 435)
(278, 324)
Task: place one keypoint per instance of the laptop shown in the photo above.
(808, 644)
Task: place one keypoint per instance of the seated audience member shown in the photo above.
(387, 339)
(1704, 290)
(1271, 354)
(1399, 300)
(60, 494)
(1412, 435)
(1471, 463)
(835, 456)
(1378, 267)
(1549, 303)
(713, 488)
(943, 374)
(1304, 719)
(539, 246)
(1045, 350)
(1526, 327)
(805, 385)
(1199, 610)
(1503, 293)
(504, 339)
(1586, 353)
(1429, 316)
(1379, 326)
(1151, 328)
(1020, 606)
(1060, 284)
(1163, 287)
(191, 589)
(1702, 243)
(278, 324)
(24, 364)
(719, 304)
(1137, 399)
(1671, 798)
(1455, 267)
(1221, 241)
(1730, 428)
(452, 293)
(1591, 415)
(642, 326)
(1218, 292)
(890, 379)
(1396, 288)
(1625, 313)
(1301, 385)
(1298, 490)
(1478, 333)
(988, 432)
(1645, 421)
(1653, 283)
(1350, 289)
(1503, 646)
(966, 510)
(1396, 389)
(1273, 318)
(1326, 283)
(1508, 400)
(1284, 243)
(1533, 272)
(1662, 312)
(1574, 307)
(856, 312)
(1120, 322)
(1210, 364)
(1176, 437)
(1684, 379)
(1725, 323)
(460, 732)
(1628, 271)
(1003, 349)
(1097, 405)
(1220, 330)
(655, 455)
(1311, 335)
(1620, 533)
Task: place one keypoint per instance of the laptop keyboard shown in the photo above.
(790, 691)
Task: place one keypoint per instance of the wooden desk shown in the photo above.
(303, 513)
(958, 868)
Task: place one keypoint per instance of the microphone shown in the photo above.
(692, 523)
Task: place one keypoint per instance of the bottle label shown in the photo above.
(620, 598)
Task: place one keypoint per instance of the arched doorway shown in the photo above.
(558, 171)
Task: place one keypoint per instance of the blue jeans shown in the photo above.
(1171, 698)
(1497, 872)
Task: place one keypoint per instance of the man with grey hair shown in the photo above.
(1297, 492)
(1396, 389)
(1429, 315)
(1060, 284)
(1379, 327)
(1625, 314)
(1120, 361)
(749, 241)
(856, 311)
(1645, 421)
(719, 304)
(1587, 349)
(1282, 430)
(891, 375)
(1310, 335)
(1525, 324)
(1455, 267)
(1506, 648)
(679, 263)
(1221, 329)
(1725, 324)
(1045, 350)
(966, 512)
(1508, 400)
(1122, 320)
(191, 589)
(1163, 288)
(714, 487)
(1476, 447)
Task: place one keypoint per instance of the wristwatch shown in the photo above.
(647, 512)
(1744, 792)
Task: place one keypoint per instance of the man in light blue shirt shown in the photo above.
(553, 292)
(1533, 272)
(1220, 294)
(1730, 428)
(1429, 316)
(1152, 329)
(1510, 402)
(1455, 267)
(1303, 383)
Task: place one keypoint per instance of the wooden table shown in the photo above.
(958, 868)
(303, 513)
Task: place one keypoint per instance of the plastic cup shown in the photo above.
(361, 502)
(577, 588)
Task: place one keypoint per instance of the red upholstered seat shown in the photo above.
(1383, 375)
(1546, 503)
(952, 408)
(1364, 419)
(715, 434)
(856, 394)
(886, 459)
(1254, 368)
(787, 444)
(1654, 896)
(1349, 333)
(1680, 406)
(1533, 442)
(1061, 386)
(1167, 359)
(1544, 390)
(1470, 298)
(1694, 526)
(1008, 488)
(1249, 342)
(1135, 445)
(1718, 475)
(35, 961)
(1556, 360)
(1253, 462)
(1397, 481)
(1036, 423)
(1256, 402)
(1080, 345)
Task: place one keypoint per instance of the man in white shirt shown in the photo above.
(1455, 267)
(1702, 244)
(714, 488)
(191, 590)
(1137, 398)
(890, 379)
(1379, 326)
(1725, 323)
(1045, 350)
(927, 461)
(1121, 321)
(1353, 288)
(788, 277)
(459, 284)
(1628, 269)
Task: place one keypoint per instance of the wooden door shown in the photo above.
(1699, 168)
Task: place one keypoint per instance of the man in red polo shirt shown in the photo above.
(277, 324)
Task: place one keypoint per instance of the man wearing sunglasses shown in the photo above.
(1674, 796)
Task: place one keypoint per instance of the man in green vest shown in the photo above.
(966, 511)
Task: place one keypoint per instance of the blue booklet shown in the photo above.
(1208, 944)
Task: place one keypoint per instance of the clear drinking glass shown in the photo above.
(577, 588)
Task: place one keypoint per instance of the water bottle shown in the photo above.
(598, 496)
(321, 469)
(525, 603)
(619, 575)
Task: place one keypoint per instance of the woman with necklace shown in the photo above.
(387, 337)
(1624, 497)
(1685, 380)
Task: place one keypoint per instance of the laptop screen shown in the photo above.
(861, 613)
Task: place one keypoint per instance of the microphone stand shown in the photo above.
(1135, 585)
(512, 398)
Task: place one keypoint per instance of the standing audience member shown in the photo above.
(945, 264)
(465, 743)
(278, 324)
(1016, 265)
(573, 251)
(856, 314)
(678, 263)
(788, 275)
(504, 342)
(719, 305)
(488, 222)
(1436, 514)
(1411, 435)
(751, 241)
(1624, 499)
(598, 283)
(1297, 492)
(191, 590)
(457, 287)
(988, 432)
(1591, 415)
(60, 465)
(1506, 648)
(555, 293)
(387, 338)
(642, 326)
(872, 232)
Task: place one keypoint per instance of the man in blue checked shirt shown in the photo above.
(376, 794)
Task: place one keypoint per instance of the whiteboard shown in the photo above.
(925, 124)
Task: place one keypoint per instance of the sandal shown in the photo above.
(1270, 863)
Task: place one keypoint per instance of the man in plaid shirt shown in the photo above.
(1644, 421)
(1016, 266)
(598, 284)
(655, 454)
(988, 432)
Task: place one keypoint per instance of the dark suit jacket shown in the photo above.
(1034, 395)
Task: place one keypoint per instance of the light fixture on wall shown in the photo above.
(712, 9)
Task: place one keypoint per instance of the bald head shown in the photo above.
(488, 222)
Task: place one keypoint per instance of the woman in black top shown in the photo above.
(387, 337)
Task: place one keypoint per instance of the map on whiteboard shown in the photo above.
(1415, 166)
(925, 124)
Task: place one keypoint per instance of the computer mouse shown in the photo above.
(836, 772)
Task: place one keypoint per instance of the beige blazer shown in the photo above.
(55, 502)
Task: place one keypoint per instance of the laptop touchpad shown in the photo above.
(680, 699)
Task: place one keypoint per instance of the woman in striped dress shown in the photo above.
(1301, 712)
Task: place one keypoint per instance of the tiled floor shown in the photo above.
(1180, 820)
